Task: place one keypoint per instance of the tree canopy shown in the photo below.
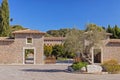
(115, 31)
(4, 19)
(58, 51)
(81, 42)
(73, 38)
(17, 27)
(58, 33)
(47, 50)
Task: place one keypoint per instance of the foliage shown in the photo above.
(81, 42)
(47, 50)
(17, 27)
(115, 31)
(4, 19)
(111, 66)
(58, 50)
(54, 33)
(94, 36)
(79, 65)
(47, 35)
(63, 32)
(74, 40)
(5, 28)
(28, 51)
(69, 54)
(93, 27)
(111, 62)
(58, 33)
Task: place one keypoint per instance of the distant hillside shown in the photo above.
(58, 33)
(17, 27)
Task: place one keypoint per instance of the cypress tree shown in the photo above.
(0, 22)
(4, 15)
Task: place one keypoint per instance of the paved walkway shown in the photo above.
(47, 72)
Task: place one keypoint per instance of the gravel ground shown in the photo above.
(48, 72)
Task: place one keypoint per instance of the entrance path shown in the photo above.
(47, 72)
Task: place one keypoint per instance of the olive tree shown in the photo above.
(74, 41)
(82, 41)
(94, 37)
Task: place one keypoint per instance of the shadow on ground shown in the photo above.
(43, 70)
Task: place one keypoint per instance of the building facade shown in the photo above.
(13, 51)
(27, 46)
(110, 48)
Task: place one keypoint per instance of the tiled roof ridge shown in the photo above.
(27, 31)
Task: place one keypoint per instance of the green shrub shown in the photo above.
(111, 66)
(78, 65)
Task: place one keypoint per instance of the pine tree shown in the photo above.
(4, 21)
(110, 30)
(116, 31)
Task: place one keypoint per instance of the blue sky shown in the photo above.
(55, 14)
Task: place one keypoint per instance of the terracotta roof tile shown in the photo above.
(28, 31)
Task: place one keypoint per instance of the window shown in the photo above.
(29, 40)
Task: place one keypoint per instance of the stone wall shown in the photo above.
(9, 53)
(111, 51)
(13, 52)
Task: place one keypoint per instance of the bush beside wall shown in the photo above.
(111, 66)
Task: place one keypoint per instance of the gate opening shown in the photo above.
(29, 56)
